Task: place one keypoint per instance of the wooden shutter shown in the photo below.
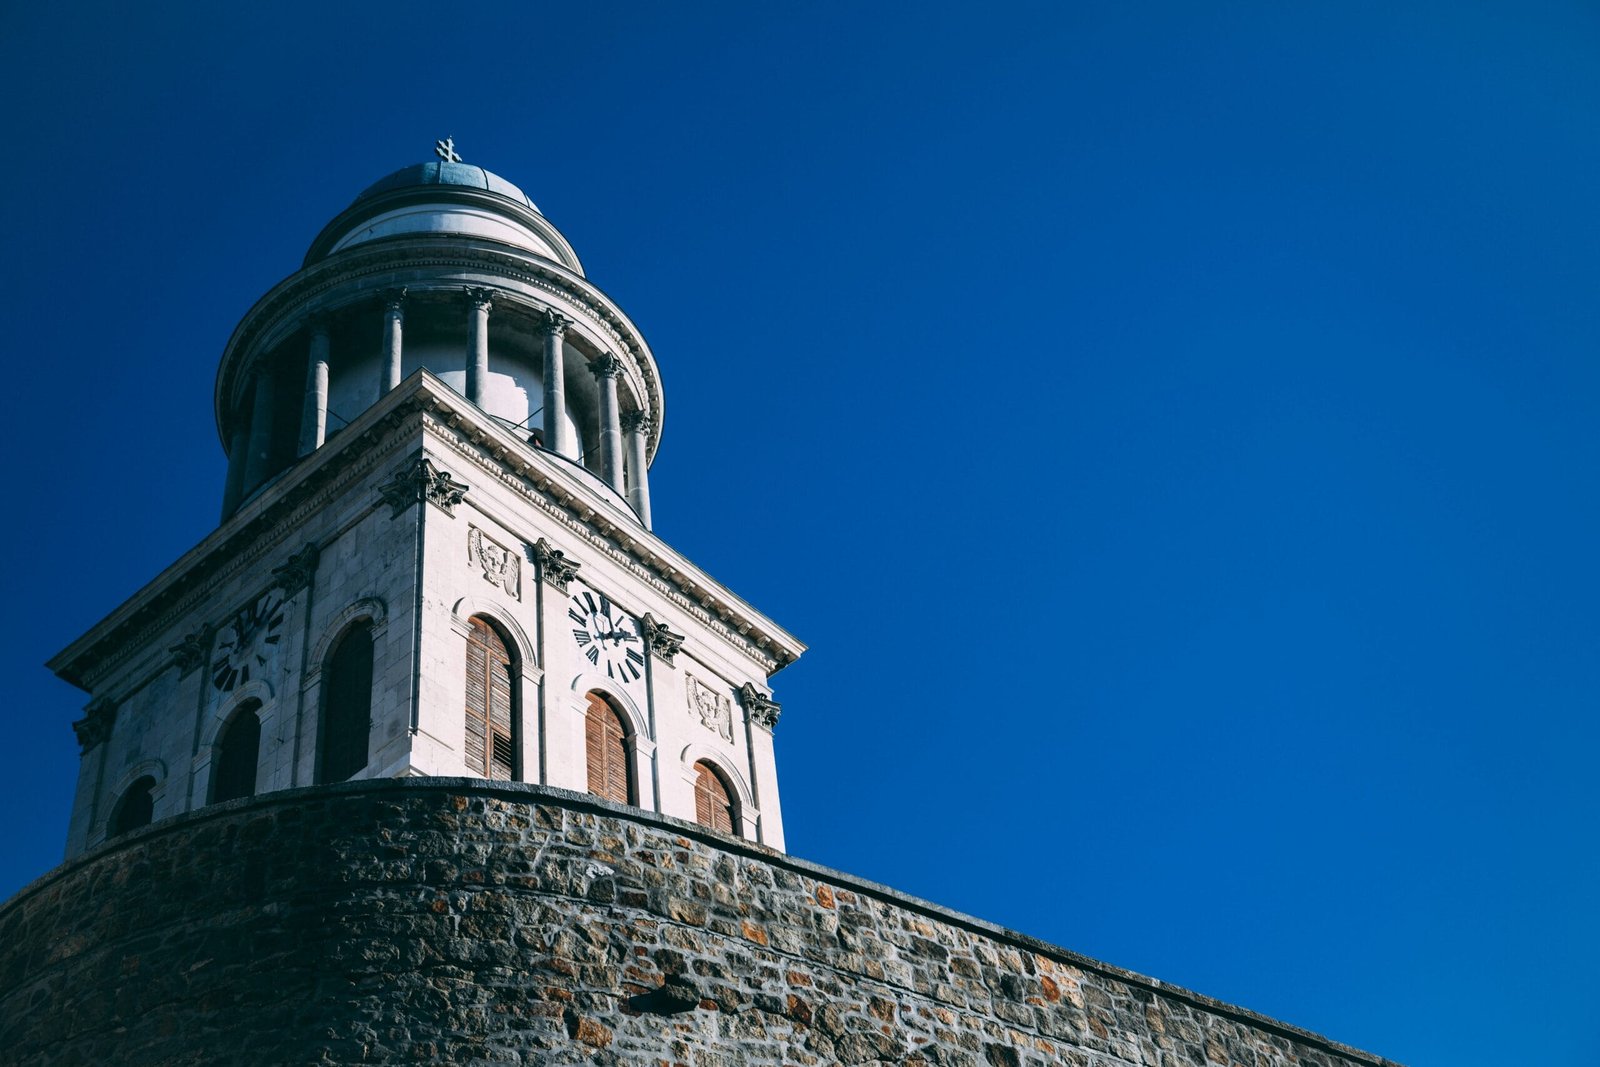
(607, 749)
(489, 699)
(712, 805)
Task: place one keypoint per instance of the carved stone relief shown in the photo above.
(500, 565)
(95, 726)
(762, 709)
(714, 708)
(421, 480)
(554, 566)
(660, 639)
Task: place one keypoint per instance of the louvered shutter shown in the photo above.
(502, 762)
(607, 750)
(712, 805)
(477, 696)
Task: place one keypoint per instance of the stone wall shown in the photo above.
(456, 921)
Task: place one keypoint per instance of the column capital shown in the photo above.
(95, 726)
(552, 322)
(481, 298)
(636, 422)
(296, 574)
(659, 639)
(191, 649)
(421, 480)
(762, 709)
(393, 299)
(554, 566)
(605, 365)
(317, 321)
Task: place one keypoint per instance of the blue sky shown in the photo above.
(1172, 427)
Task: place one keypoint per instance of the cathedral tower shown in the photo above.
(435, 555)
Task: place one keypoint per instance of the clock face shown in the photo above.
(246, 644)
(607, 635)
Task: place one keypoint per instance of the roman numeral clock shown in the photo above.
(607, 636)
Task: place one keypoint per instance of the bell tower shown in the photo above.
(435, 555)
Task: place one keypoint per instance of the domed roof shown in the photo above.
(440, 172)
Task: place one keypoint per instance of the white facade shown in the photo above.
(423, 510)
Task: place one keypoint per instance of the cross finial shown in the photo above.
(446, 150)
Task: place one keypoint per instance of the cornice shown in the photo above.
(277, 516)
(281, 513)
(583, 512)
(280, 309)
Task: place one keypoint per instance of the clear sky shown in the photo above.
(1172, 427)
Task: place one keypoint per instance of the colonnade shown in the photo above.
(623, 436)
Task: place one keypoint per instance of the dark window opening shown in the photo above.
(234, 773)
(134, 809)
(347, 706)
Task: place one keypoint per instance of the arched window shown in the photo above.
(234, 769)
(134, 809)
(713, 800)
(490, 694)
(609, 775)
(346, 706)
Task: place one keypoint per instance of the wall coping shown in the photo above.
(584, 802)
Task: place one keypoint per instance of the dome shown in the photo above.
(439, 172)
(445, 198)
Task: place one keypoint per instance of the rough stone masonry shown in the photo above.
(458, 921)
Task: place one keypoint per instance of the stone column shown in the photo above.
(394, 317)
(259, 450)
(606, 367)
(557, 437)
(238, 455)
(636, 424)
(314, 416)
(481, 300)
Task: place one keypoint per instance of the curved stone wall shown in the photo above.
(459, 921)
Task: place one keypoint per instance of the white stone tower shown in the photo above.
(435, 556)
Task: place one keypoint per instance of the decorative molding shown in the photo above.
(480, 297)
(95, 726)
(659, 639)
(500, 565)
(553, 322)
(554, 566)
(713, 707)
(605, 365)
(296, 574)
(423, 481)
(578, 518)
(762, 709)
(86, 663)
(192, 649)
(636, 421)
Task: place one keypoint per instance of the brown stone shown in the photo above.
(592, 1032)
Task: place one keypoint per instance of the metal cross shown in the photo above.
(446, 150)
